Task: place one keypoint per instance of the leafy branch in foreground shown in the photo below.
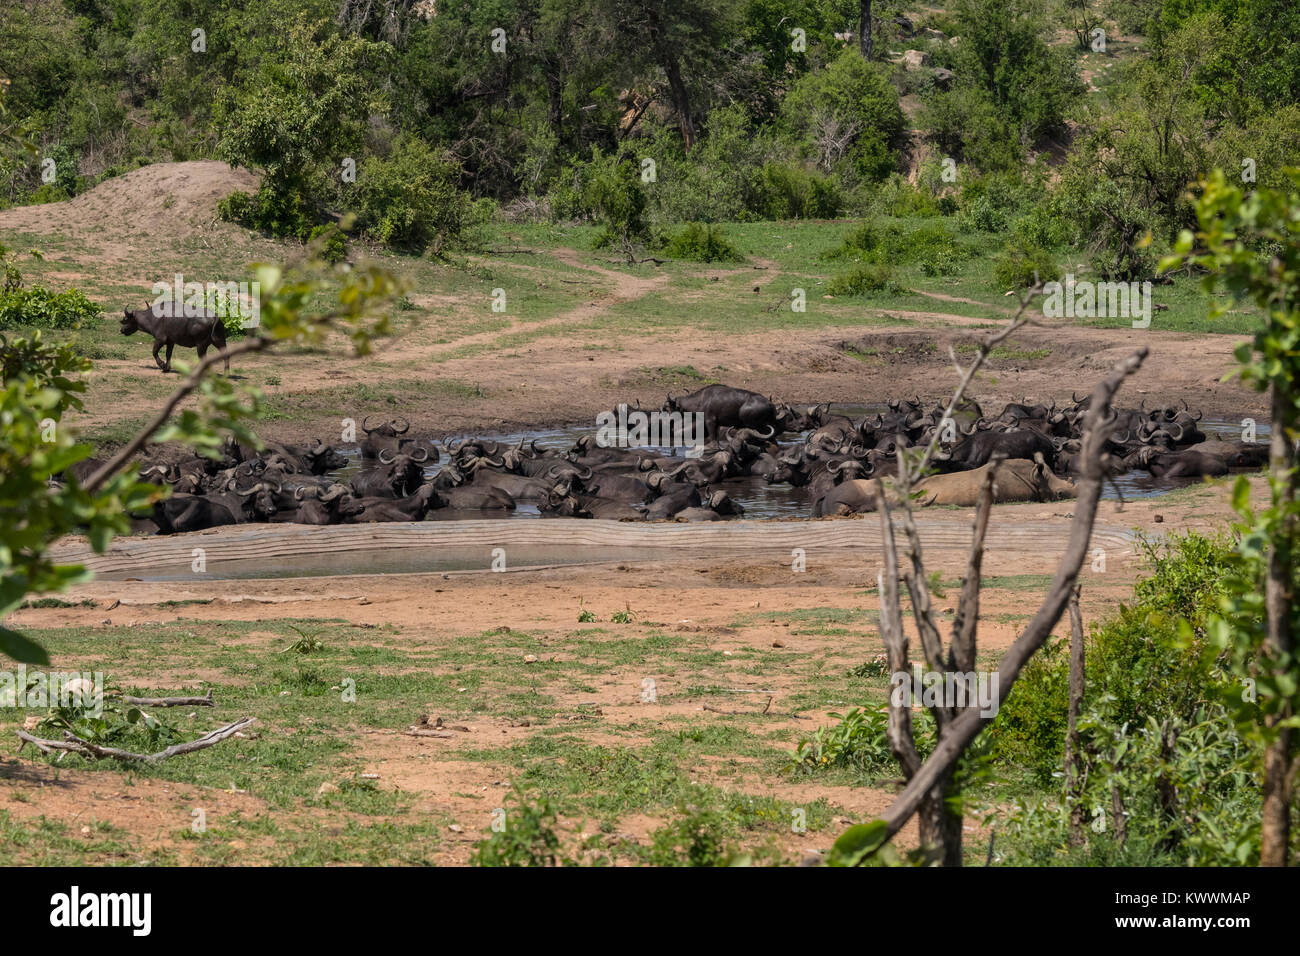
(41, 384)
(1250, 244)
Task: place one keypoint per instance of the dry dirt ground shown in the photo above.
(564, 367)
(733, 610)
(732, 607)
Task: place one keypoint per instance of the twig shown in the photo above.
(205, 701)
(961, 652)
(765, 712)
(75, 744)
(970, 722)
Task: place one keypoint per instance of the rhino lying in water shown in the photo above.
(1016, 480)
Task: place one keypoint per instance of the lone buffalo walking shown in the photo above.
(196, 332)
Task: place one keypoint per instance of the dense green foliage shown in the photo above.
(1157, 732)
(699, 242)
(765, 109)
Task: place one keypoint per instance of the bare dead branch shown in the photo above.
(901, 742)
(1073, 755)
(970, 722)
(205, 701)
(80, 745)
(961, 653)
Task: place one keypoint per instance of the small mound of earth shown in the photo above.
(161, 201)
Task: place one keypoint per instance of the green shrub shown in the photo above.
(38, 307)
(528, 837)
(698, 242)
(616, 197)
(1020, 265)
(865, 243)
(789, 192)
(859, 742)
(334, 247)
(268, 211)
(411, 198)
(932, 245)
(1042, 227)
(965, 125)
(851, 95)
(49, 192)
(697, 838)
(897, 197)
(1138, 662)
(983, 216)
(865, 280)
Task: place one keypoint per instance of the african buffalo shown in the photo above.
(410, 508)
(400, 475)
(197, 332)
(723, 405)
(850, 497)
(329, 506)
(979, 448)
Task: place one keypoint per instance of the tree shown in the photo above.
(849, 110)
(1249, 244)
(299, 119)
(864, 28)
(932, 792)
(1003, 52)
(685, 39)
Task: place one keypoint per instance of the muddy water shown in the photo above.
(762, 500)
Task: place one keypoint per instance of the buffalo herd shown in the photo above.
(841, 464)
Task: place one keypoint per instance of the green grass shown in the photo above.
(308, 736)
(450, 302)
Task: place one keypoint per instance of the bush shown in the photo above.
(789, 192)
(529, 837)
(983, 216)
(897, 197)
(1137, 663)
(860, 742)
(1020, 265)
(1041, 227)
(933, 245)
(865, 280)
(411, 198)
(617, 199)
(965, 125)
(850, 97)
(697, 838)
(720, 179)
(333, 245)
(38, 307)
(698, 242)
(268, 211)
